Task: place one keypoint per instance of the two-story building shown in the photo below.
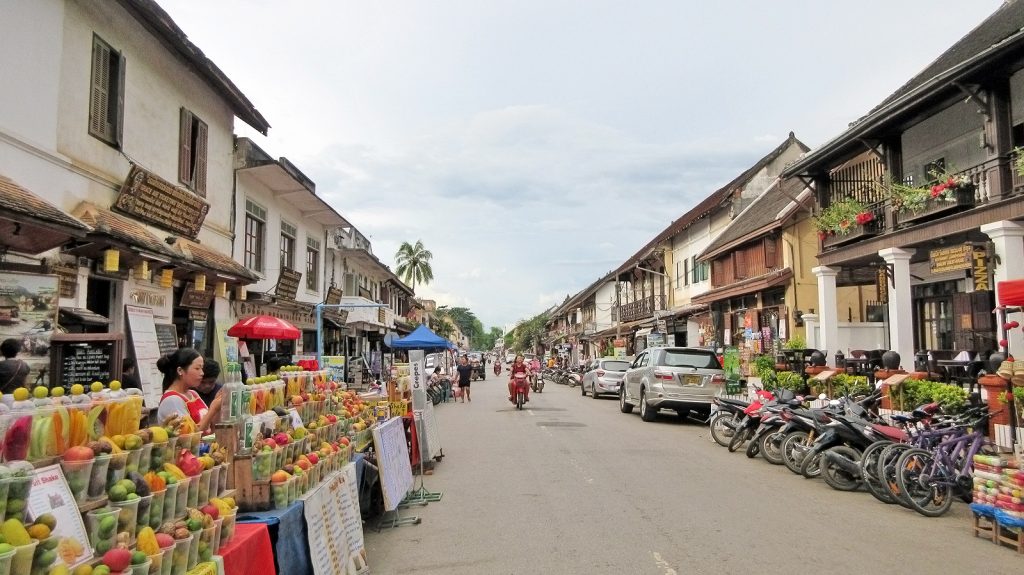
(920, 200)
(121, 131)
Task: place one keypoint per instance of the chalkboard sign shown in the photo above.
(84, 358)
(167, 338)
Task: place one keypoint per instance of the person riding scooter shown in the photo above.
(497, 367)
(517, 367)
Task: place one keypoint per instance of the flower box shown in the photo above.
(962, 198)
(853, 233)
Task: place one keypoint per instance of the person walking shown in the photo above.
(465, 373)
(13, 371)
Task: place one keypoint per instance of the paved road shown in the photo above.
(572, 486)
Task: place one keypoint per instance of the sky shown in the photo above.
(535, 145)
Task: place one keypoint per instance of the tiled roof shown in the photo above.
(19, 200)
(213, 259)
(762, 213)
(122, 229)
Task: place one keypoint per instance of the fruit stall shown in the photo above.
(87, 487)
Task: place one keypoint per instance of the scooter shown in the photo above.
(537, 382)
(521, 385)
(574, 376)
(497, 368)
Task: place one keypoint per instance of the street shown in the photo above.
(571, 485)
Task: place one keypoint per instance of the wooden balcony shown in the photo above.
(964, 199)
(641, 309)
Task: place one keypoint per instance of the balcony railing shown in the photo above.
(642, 308)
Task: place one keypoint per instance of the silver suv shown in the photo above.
(679, 378)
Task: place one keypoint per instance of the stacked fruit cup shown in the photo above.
(5, 561)
(156, 509)
(18, 489)
(263, 465)
(181, 501)
(142, 568)
(102, 526)
(203, 491)
(155, 563)
(128, 518)
(45, 554)
(170, 503)
(180, 555)
(5, 484)
(132, 461)
(222, 480)
(208, 540)
(193, 550)
(98, 477)
(158, 456)
(166, 561)
(144, 512)
(279, 493)
(78, 473)
(193, 491)
(227, 528)
(21, 562)
(117, 468)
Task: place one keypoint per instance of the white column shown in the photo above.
(1008, 238)
(828, 312)
(901, 313)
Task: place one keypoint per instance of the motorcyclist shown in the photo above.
(534, 371)
(518, 367)
(497, 367)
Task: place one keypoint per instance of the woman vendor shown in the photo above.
(183, 370)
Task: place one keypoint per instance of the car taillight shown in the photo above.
(718, 379)
(665, 376)
(600, 373)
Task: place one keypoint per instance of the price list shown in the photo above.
(334, 525)
(86, 363)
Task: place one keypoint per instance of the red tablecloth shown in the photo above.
(249, 553)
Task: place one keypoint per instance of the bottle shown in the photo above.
(230, 411)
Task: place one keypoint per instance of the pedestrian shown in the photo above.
(129, 374)
(208, 387)
(13, 371)
(465, 373)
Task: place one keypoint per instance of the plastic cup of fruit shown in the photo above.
(5, 484)
(128, 518)
(5, 562)
(193, 490)
(101, 524)
(117, 468)
(279, 494)
(293, 489)
(179, 557)
(170, 503)
(145, 510)
(98, 477)
(21, 561)
(18, 489)
(157, 456)
(181, 501)
(222, 480)
(279, 453)
(208, 539)
(203, 495)
(141, 568)
(78, 473)
(214, 481)
(166, 563)
(156, 563)
(193, 550)
(145, 458)
(156, 508)
(132, 462)
(227, 528)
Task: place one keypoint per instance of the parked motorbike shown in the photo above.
(574, 377)
(751, 419)
(836, 453)
(521, 385)
(726, 415)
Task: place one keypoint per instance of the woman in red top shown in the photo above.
(183, 370)
(518, 367)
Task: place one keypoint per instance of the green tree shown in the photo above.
(413, 264)
(527, 334)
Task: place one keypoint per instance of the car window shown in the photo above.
(641, 360)
(691, 358)
(615, 365)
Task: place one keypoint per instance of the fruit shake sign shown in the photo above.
(51, 503)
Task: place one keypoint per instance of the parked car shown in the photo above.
(604, 376)
(679, 378)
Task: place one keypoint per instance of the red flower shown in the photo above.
(822, 236)
(865, 217)
(951, 182)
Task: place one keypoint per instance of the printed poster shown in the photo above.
(50, 494)
(28, 312)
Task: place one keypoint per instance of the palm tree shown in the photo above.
(414, 264)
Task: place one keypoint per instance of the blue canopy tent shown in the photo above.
(422, 338)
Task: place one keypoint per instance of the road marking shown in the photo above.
(668, 570)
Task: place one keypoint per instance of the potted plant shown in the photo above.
(846, 217)
(948, 191)
(1018, 160)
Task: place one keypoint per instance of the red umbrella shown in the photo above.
(264, 327)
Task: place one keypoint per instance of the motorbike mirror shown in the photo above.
(835, 403)
(822, 397)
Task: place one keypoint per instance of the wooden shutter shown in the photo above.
(739, 264)
(185, 148)
(963, 321)
(118, 120)
(200, 159)
(770, 254)
(100, 92)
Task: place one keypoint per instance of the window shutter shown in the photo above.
(686, 271)
(99, 99)
(739, 264)
(118, 127)
(200, 167)
(185, 148)
(693, 268)
(770, 254)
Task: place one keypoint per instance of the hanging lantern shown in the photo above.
(142, 271)
(111, 260)
(167, 278)
(200, 283)
(222, 289)
(240, 293)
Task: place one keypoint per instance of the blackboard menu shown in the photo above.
(167, 338)
(85, 358)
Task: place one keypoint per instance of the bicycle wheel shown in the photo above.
(886, 472)
(925, 482)
(869, 472)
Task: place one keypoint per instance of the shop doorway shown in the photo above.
(948, 319)
(98, 296)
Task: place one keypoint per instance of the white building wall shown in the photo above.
(28, 102)
(604, 301)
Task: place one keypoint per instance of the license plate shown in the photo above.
(693, 380)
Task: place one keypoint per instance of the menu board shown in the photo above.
(334, 526)
(146, 346)
(84, 358)
(50, 494)
(392, 461)
(166, 338)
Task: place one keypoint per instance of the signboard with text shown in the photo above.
(288, 283)
(951, 259)
(159, 202)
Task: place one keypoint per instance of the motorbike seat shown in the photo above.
(890, 432)
(734, 402)
(902, 419)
